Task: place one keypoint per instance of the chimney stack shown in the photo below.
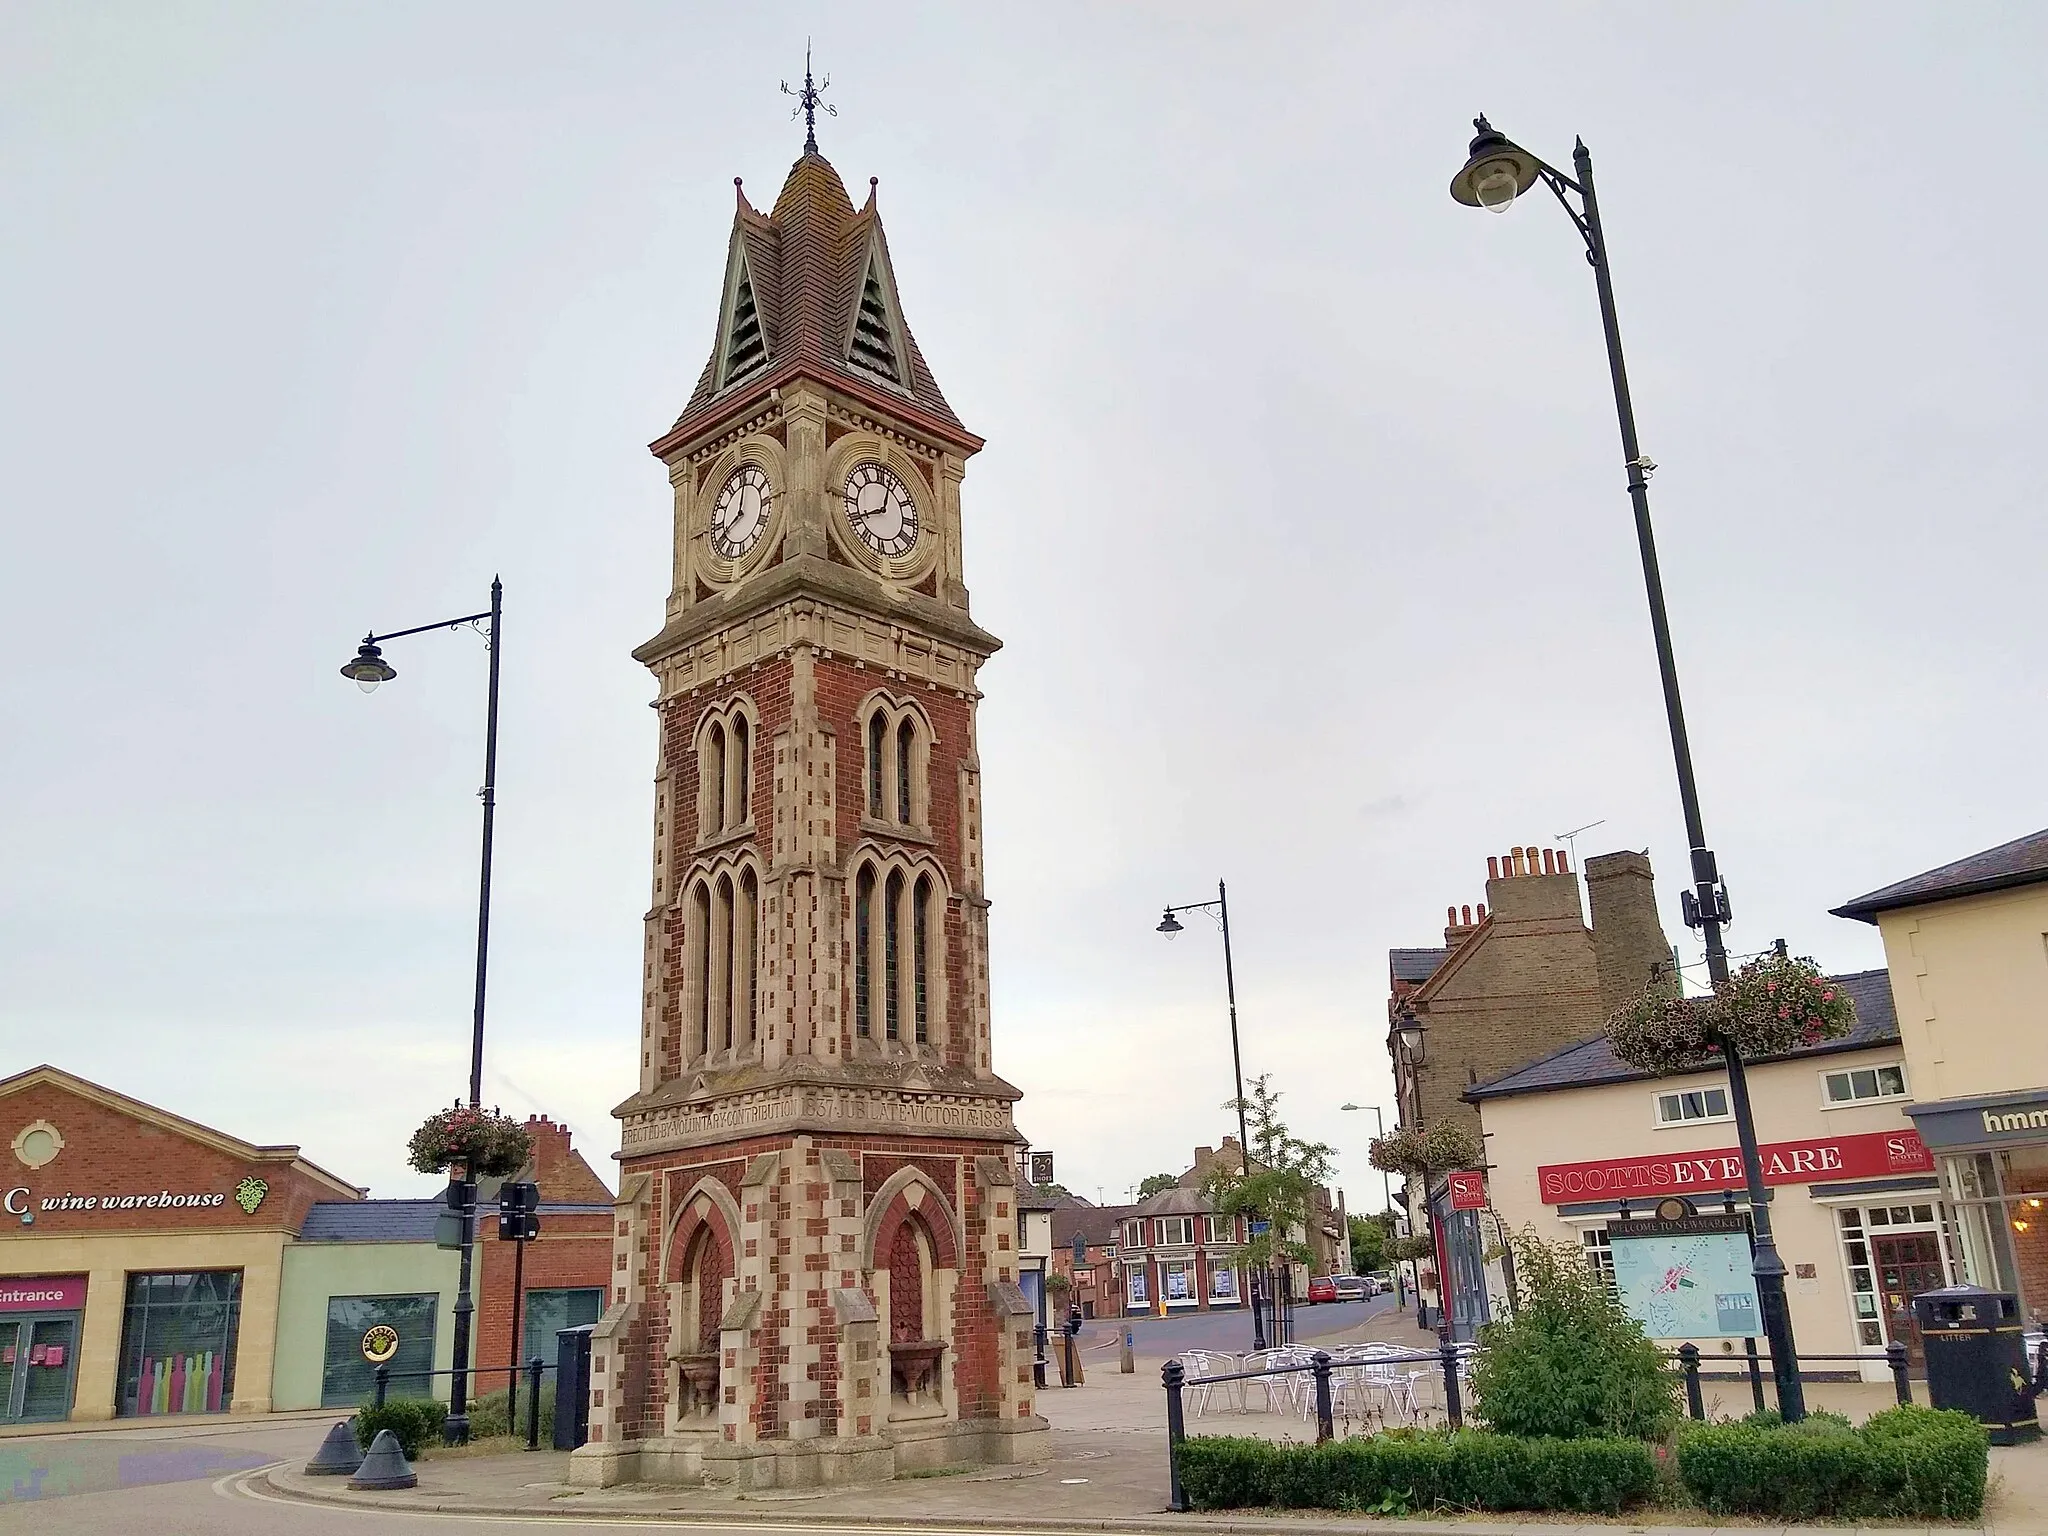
(1628, 939)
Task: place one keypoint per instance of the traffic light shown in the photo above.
(518, 1212)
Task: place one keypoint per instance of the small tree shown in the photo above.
(1570, 1362)
(1279, 1187)
(1154, 1183)
(1368, 1243)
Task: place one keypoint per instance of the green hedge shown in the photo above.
(1414, 1470)
(1905, 1463)
(415, 1420)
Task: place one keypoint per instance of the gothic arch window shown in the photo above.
(722, 961)
(920, 967)
(863, 951)
(697, 977)
(898, 951)
(878, 739)
(725, 769)
(897, 743)
(892, 951)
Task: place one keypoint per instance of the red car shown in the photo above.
(1322, 1288)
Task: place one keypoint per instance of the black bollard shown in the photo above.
(1895, 1357)
(533, 1369)
(1454, 1407)
(385, 1466)
(338, 1456)
(1325, 1426)
(1172, 1374)
(383, 1385)
(1689, 1366)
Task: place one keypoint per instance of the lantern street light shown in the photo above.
(1496, 172)
(366, 670)
(1170, 925)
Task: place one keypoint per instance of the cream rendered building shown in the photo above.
(1967, 948)
(1579, 1139)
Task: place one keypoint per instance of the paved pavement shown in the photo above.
(1107, 1472)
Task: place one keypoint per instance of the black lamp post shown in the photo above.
(1496, 172)
(366, 671)
(1170, 925)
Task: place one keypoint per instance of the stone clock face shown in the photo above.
(880, 510)
(740, 516)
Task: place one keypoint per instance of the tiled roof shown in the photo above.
(1175, 1200)
(805, 259)
(1590, 1063)
(1098, 1223)
(1415, 964)
(2023, 861)
(370, 1221)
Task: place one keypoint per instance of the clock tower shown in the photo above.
(815, 1267)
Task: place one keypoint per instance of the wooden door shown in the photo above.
(1907, 1264)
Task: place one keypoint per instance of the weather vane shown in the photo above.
(808, 100)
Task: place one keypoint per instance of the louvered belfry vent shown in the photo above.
(874, 345)
(745, 350)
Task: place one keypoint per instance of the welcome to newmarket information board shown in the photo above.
(1687, 1279)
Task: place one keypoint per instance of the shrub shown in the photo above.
(415, 1420)
(1906, 1463)
(488, 1417)
(1570, 1362)
(1443, 1469)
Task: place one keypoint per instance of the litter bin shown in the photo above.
(572, 1386)
(1976, 1359)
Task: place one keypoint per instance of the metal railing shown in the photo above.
(533, 1370)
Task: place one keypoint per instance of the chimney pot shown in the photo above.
(1493, 869)
(1521, 865)
(1466, 913)
(1564, 862)
(1480, 911)
(1451, 916)
(1549, 862)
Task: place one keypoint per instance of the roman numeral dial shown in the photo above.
(881, 511)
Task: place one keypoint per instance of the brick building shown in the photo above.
(815, 1274)
(1097, 1279)
(1518, 976)
(566, 1269)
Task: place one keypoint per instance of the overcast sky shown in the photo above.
(1301, 514)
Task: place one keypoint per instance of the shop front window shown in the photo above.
(347, 1378)
(1975, 1192)
(549, 1312)
(1222, 1284)
(1138, 1292)
(178, 1334)
(1178, 1280)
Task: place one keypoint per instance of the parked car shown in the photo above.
(1322, 1288)
(1353, 1287)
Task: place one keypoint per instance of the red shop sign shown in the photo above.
(1785, 1162)
(42, 1293)
(1468, 1191)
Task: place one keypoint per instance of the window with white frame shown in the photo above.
(1134, 1234)
(1174, 1231)
(1136, 1288)
(1222, 1283)
(1599, 1254)
(1177, 1281)
(1859, 1085)
(1692, 1106)
(1219, 1229)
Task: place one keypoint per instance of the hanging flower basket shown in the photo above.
(487, 1142)
(1440, 1149)
(1772, 1006)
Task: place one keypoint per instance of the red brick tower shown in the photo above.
(815, 1275)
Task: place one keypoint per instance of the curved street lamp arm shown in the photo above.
(421, 629)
